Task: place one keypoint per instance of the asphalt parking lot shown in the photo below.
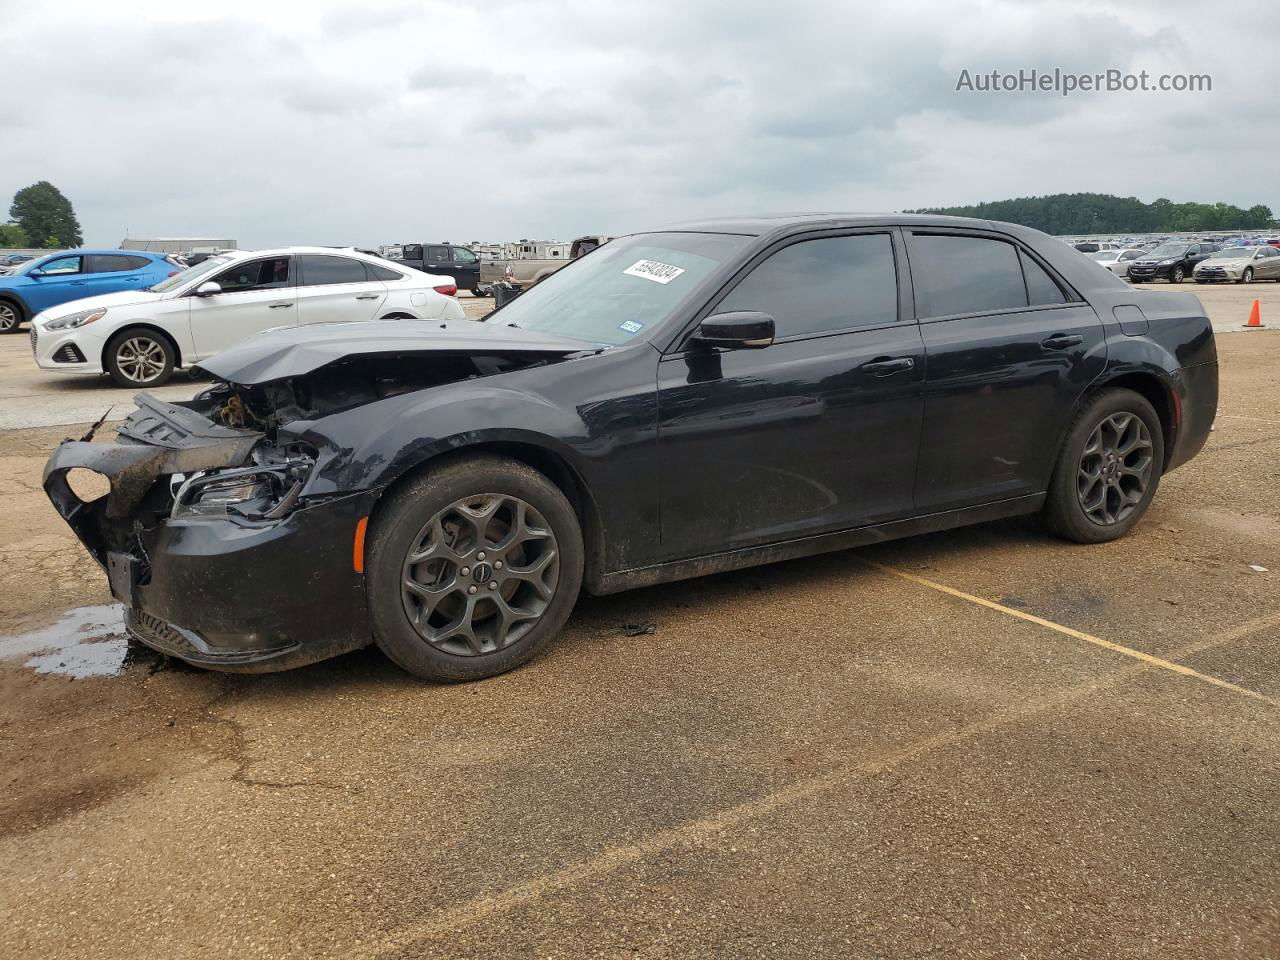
(983, 743)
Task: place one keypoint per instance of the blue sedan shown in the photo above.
(74, 274)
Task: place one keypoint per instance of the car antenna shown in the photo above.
(94, 429)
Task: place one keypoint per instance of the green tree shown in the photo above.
(46, 216)
(12, 237)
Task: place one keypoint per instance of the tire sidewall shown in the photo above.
(1063, 511)
(19, 316)
(113, 367)
(407, 510)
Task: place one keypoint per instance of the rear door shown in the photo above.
(114, 272)
(256, 295)
(1011, 348)
(336, 289)
(815, 433)
(61, 279)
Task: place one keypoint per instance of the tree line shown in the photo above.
(41, 218)
(1086, 213)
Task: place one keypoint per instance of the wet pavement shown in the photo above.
(984, 743)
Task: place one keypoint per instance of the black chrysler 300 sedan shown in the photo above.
(677, 403)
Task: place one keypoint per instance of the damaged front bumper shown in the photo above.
(224, 592)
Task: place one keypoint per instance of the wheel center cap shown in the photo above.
(481, 572)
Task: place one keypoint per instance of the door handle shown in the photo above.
(1060, 341)
(885, 366)
(277, 306)
(366, 296)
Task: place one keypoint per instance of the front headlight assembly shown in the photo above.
(247, 493)
(73, 320)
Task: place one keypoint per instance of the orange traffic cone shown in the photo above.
(1255, 318)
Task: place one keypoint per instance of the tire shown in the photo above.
(11, 316)
(140, 358)
(448, 627)
(1177, 275)
(1065, 509)
(477, 292)
(1247, 276)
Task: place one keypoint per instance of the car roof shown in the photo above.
(285, 251)
(100, 251)
(758, 226)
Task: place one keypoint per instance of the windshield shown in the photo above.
(1167, 251)
(1233, 253)
(191, 273)
(624, 287)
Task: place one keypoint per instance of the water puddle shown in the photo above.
(85, 642)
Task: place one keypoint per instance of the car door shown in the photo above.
(336, 289)
(816, 432)
(114, 272)
(61, 279)
(256, 295)
(1195, 253)
(438, 260)
(1010, 349)
(1268, 263)
(465, 268)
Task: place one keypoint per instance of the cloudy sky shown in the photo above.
(344, 122)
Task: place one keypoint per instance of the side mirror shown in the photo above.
(740, 330)
(208, 289)
(37, 273)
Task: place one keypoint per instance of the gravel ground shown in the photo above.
(818, 758)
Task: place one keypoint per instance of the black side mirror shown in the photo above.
(740, 330)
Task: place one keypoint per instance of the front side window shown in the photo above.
(463, 255)
(61, 265)
(270, 274)
(821, 286)
(955, 274)
(316, 270)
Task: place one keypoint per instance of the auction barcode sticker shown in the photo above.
(653, 270)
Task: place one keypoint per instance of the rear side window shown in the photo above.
(116, 263)
(954, 274)
(316, 270)
(268, 274)
(823, 285)
(1042, 289)
(437, 254)
(382, 273)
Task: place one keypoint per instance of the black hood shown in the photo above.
(294, 351)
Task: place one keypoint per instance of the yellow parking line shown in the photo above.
(1077, 634)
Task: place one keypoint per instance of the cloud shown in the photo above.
(336, 122)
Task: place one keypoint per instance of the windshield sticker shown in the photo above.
(654, 270)
(631, 326)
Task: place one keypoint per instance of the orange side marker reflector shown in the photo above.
(357, 548)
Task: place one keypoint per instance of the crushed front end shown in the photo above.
(210, 541)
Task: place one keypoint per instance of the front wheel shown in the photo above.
(1247, 276)
(473, 568)
(1108, 469)
(1177, 275)
(140, 358)
(10, 317)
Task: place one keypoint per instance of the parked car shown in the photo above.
(698, 399)
(1117, 261)
(458, 262)
(141, 337)
(1173, 261)
(1240, 265)
(519, 274)
(58, 278)
(13, 259)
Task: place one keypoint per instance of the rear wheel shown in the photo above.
(1108, 469)
(140, 358)
(474, 567)
(10, 316)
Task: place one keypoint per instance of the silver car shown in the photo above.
(1240, 265)
(1117, 261)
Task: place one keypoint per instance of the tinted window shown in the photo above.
(463, 255)
(61, 265)
(958, 275)
(437, 254)
(382, 273)
(412, 251)
(1041, 288)
(817, 286)
(113, 263)
(316, 270)
(255, 275)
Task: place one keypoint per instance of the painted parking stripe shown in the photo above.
(1146, 658)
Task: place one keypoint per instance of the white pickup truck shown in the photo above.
(520, 274)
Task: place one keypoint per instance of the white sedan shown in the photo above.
(141, 336)
(1117, 261)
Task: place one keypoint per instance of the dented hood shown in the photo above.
(294, 351)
